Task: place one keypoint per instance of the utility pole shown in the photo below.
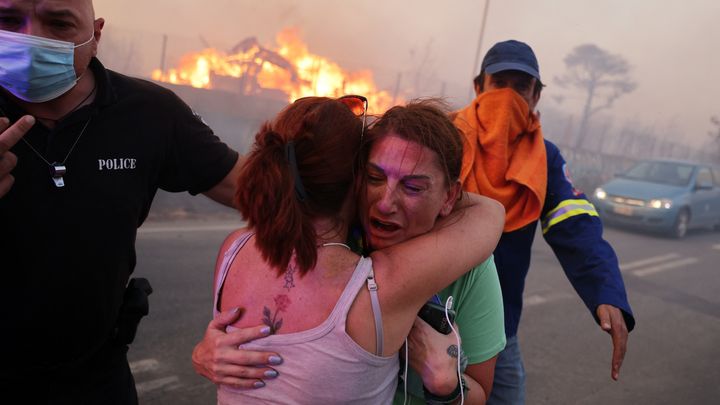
(163, 54)
(396, 92)
(474, 72)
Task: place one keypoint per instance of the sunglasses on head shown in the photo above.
(358, 105)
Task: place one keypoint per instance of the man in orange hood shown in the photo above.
(507, 158)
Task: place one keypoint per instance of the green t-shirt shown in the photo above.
(477, 301)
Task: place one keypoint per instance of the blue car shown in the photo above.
(667, 196)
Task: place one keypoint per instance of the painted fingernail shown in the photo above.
(275, 359)
(258, 384)
(265, 330)
(271, 374)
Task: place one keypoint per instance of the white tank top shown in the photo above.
(322, 365)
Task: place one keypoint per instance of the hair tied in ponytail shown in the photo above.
(271, 137)
(292, 162)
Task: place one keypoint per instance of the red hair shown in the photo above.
(326, 139)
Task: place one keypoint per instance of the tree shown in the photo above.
(602, 75)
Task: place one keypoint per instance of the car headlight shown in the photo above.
(661, 203)
(600, 193)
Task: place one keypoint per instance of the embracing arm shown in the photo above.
(218, 358)
(411, 271)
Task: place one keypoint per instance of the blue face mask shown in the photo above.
(36, 69)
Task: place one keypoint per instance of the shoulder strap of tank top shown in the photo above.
(375, 303)
(228, 258)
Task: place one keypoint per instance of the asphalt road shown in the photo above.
(673, 355)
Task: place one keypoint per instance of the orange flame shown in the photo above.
(290, 68)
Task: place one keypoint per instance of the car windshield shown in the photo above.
(675, 174)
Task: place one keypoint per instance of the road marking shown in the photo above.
(153, 385)
(197, 228)
(650, 260)
(144, 365)
(666, 266)
(536, 299)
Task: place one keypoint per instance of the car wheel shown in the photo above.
(680, 227)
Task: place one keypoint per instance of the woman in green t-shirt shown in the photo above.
(412, 152)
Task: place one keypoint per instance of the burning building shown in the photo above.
(288, 72)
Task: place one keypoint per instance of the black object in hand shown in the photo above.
(434, 314)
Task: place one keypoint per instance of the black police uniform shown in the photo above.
(66, 253)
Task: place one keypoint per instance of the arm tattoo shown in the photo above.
(452, 351)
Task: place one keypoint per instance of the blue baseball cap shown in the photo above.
(511, 55)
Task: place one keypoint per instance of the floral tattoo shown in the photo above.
(282, 301)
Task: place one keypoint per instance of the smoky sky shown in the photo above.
(672, 47)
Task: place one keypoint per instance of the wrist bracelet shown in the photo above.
(432, 399)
